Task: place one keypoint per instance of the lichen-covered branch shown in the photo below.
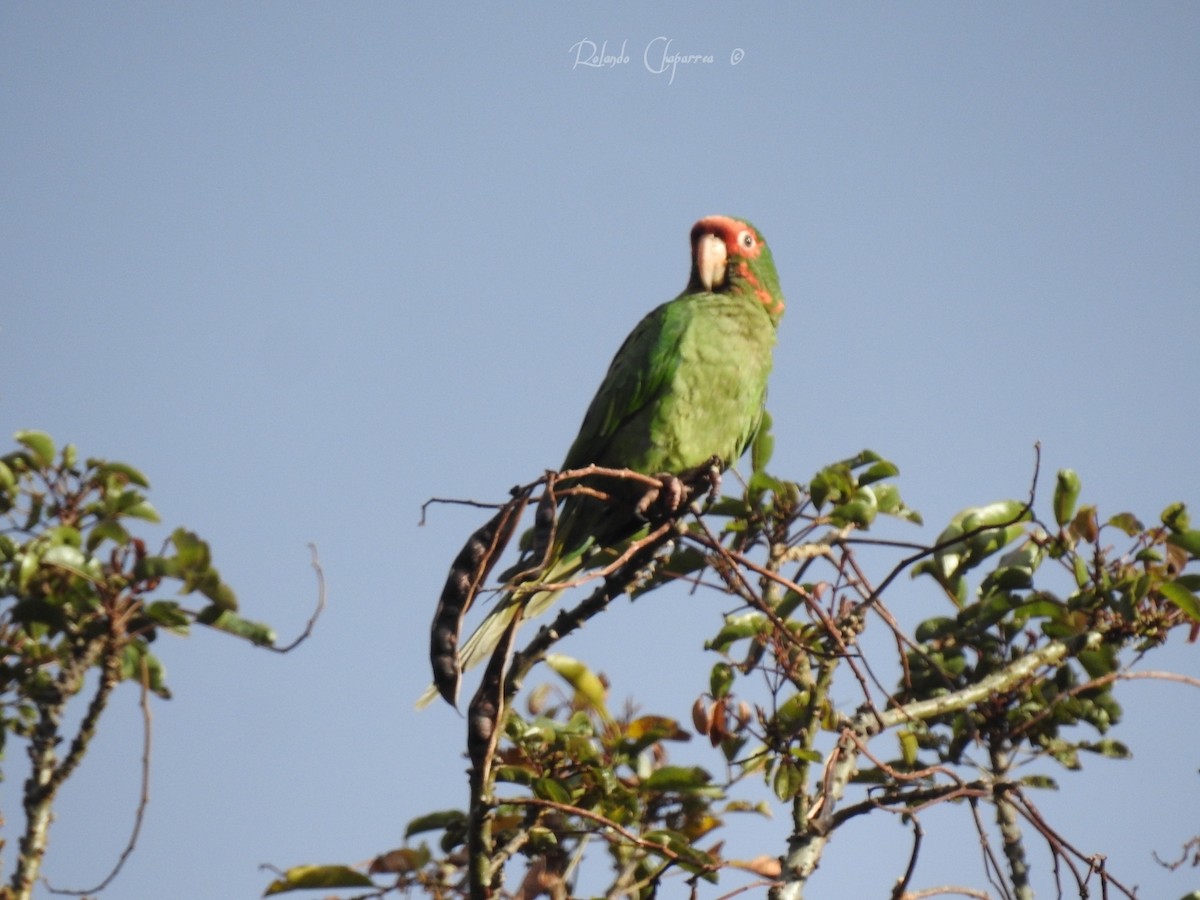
(807, 844)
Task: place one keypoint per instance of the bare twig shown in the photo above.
(453, 501)
(901, 888)
(312, 620)
(1190, 850)
(617, 830)
(143, 798)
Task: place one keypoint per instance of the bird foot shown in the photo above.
(666, 499)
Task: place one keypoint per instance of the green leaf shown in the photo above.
(1176, 518)
(677, 778)
(1187, 540)
(1099, 663)
(190, 551)
(890, 504)
(1082, 577)
(70, 559)
(219, 592)
(831, 483)
(994, 515)
(131, 475)
(1066, 493)
(168, 614)
(983, 530)
(877, 472)
(156, 567)
(107, 531)
(134, 658)
(1128, 523)
(859, 510)
(551, 789)
(761, 482)
(720, 680)
(788, 782)
(26, 569)
(1188, 602)
(40, 444)
(450, 818)
(794, 713)
(938, 626)
(688, 856)
(588, 686)
(1109, 748)
(142, 510)
(231, 623)
(737, 628)
(299, 878)
(646, 730)
(400, 861)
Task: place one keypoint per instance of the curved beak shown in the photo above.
(711, 259)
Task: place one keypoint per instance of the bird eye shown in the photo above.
(746, 239)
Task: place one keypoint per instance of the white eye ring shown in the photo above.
(746, 239)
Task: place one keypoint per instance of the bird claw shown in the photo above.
(672, 493)
(666, 499)
(714, 479)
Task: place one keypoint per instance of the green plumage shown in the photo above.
(688, 384)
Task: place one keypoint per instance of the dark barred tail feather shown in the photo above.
(467, 574)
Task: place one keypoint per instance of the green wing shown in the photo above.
(615, 429)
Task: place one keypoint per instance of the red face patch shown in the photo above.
(764, 296)
(742, 243)
(740, 239)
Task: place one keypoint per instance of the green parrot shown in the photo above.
(687, 385)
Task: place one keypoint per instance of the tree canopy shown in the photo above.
(1007, 691)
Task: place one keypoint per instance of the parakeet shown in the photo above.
(688, 384)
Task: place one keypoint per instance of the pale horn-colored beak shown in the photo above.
(711, 257)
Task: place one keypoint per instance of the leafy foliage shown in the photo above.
(1042, 621)
(80, 592)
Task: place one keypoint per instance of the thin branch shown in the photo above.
(143, 798)
(1190, 850)
(110, 676)
(901, 888)
(567, 475)
(1061, 848)
(312, 620)
(454, 501)
(991, 865)
(1160, 676)
(611, 826)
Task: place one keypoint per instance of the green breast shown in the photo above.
(693, 378)
(713, 401)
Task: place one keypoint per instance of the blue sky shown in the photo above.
(309, 264)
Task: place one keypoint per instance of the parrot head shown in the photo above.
(730, 256)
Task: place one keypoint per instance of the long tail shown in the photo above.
(451, 662)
